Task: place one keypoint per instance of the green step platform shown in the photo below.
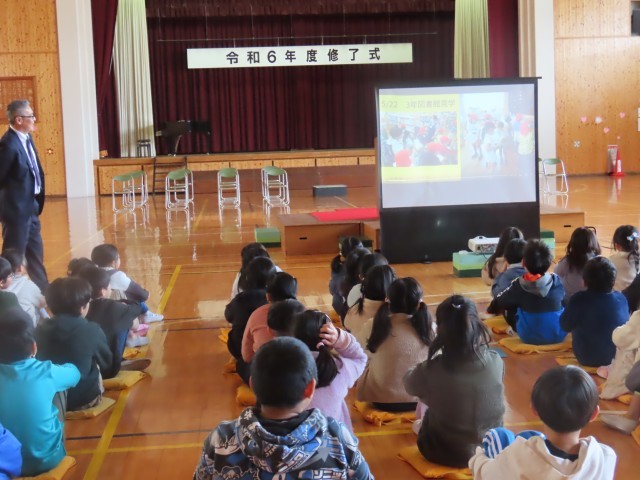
(268, 236)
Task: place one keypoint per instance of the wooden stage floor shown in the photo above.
(156, 429)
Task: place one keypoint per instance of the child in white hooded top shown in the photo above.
(566, 400)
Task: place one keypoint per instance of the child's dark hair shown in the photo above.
(282, 286)
(280, 372)
(281, 315)
(507, 234)
(5, 269)
(306, 328)
(565, 398)
(98, 278)
(461, 334)
(14, 257)
(258, 273)
(626, 237)
(582, 246)
(77, 264)
(599, 275)
(514, 251)
(369, 261)
(248, 253)
(67, 296)
(404, 296)
(16, 335)
(375, 285)
(104, 255)
(351, 269)
(537, 257)
(346, 246)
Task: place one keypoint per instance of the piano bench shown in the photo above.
(143, 148)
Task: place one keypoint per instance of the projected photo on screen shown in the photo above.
(457, 145)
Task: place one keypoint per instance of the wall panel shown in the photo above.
(30, 48)
(597, 74)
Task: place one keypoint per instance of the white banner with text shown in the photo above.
(299, 56)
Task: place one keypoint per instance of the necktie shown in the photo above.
(34, 165)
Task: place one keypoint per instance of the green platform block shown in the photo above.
(549, 238)
(467, 264)
(268, 236)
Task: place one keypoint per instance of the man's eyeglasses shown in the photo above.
(27, 116)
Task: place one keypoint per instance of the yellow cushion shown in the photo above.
(515, 345)
(571, 360)
(636, 435)
(92, 412)
(124, 379)
(497, 325)
(223, 336)
(380, 417)
(625, 399)
(66, 464)
(424, 467)
(131, 353)
(230, 366)
(245, 396)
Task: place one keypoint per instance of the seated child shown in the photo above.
(338, 270)
(116, 318)
(496, 262)
(7, 299)
(533, 303)
(367, 262)
(582, 247)
(338, 372)
(248, 253)
(282, 438)
(593, 314)
(628, 422)
(626, 257)
(238, 310)
(106, 256)
(29, 295)
(281, 286)
(76, 265)
(68, 337)
(10, 456)
(351, 276)
(396, 339)
(460, 383)
(27, 390)
(513, 253)
(627, 341)
(566, 400)
(281, 317)
(374, 291)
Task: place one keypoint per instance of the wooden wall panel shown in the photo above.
(30, 48)
(596, 75)
(591, 18)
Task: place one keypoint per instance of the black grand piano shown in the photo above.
(173, 131)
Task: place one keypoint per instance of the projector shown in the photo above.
(482, 244)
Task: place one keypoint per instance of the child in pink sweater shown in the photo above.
(339, 358)
(281, 286)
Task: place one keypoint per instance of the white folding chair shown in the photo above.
(275, 186)
(228, 188)
(178, 189)
(553, 170)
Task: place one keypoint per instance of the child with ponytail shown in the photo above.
(374, 291)
(627, 256)
(397, 338)
(339, 358)
(461, 383)
(338, 270)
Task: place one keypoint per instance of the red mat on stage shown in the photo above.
(342, 214)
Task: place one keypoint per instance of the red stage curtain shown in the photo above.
(503, 38)
(103, 19)
(264, 109)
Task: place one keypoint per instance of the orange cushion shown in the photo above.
(92, 412)
(380, 417)
(57, 473)
(571, 360)
(517, 346)
(427, 469)
(124, 380)
(223, 336)
(497, 325)
(245, 396)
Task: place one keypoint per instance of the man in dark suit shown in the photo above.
(22, 190)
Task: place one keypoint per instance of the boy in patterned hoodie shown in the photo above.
(282, 439)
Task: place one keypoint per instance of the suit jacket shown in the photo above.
(17, 182)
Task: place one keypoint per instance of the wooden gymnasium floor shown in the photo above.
(156, 429)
